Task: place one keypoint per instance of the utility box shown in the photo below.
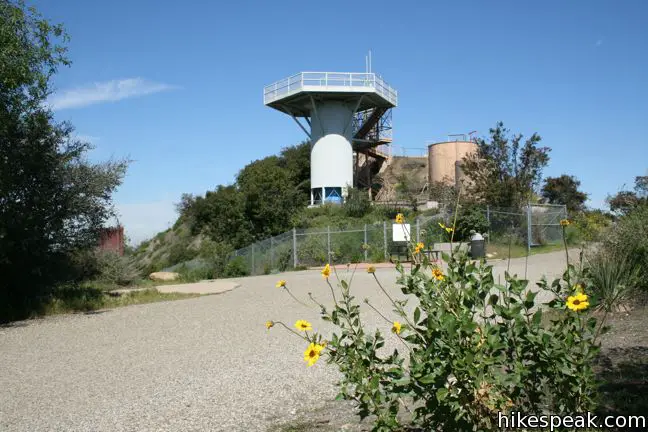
(477, 246)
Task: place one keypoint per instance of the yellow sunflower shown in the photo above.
(400, 218)
(396, 328)
(371, 269)
(303, 325)
(565, 222)
(326, 272)
(312, 353)
(446, 228)
(577, 302)
(269, 324)
(281, 283)
(438, 274)
(419, 247)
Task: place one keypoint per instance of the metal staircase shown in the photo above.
(373, 132)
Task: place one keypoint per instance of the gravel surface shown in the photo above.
(202, 364)
(202, 287)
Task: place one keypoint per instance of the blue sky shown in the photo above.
(177, 86)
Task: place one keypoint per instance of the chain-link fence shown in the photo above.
(530, 226)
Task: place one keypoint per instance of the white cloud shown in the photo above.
(108, 91)
(142, 221)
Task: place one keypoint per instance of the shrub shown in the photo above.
(115, 269)
(357, 203)
(181, 252)
(284, 258)
(347, 247)
(432, 233)
(591, 225)
(474, 348)
(195, 274)
(216, 256)
(612, 279)
(629, 238)
(312, 249)
(236, 268)
(377, 254)
(470, 218)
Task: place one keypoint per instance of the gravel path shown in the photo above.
(202, 364)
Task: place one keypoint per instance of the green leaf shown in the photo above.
(402, 382)
(417, 315)
(529, 302)
(428, 379)
(441, 393)
(537, 318)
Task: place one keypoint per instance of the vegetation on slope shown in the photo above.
(53, 201)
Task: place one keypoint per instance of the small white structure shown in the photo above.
(328, 102)
(401, 232)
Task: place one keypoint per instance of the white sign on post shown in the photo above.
(401, 232)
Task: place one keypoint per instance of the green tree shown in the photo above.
(564, 190)
(623, 202)
(261, 203)
(53, 202)
(505, 171)
(269, 195)
(221, 215)
(296, 160)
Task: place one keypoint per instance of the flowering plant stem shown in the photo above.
(293, 331)
(295, 298)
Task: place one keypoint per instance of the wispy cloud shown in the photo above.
(87, 138)
(599, 42)
(108, 91)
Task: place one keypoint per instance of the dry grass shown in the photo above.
(84, 299)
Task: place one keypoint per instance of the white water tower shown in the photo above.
(329, 102)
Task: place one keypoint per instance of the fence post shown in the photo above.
(365, 243)
(252, 270)
(385, 238)
(294, 247)
(529, 232)
(488, 221)
(328, 244)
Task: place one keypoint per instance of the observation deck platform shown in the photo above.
(295, 95)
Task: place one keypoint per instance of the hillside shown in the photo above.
(235, 216)
(402, 175)
(167, 248)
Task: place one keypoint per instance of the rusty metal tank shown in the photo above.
(444, 160)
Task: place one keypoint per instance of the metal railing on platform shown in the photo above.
(328, 81)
